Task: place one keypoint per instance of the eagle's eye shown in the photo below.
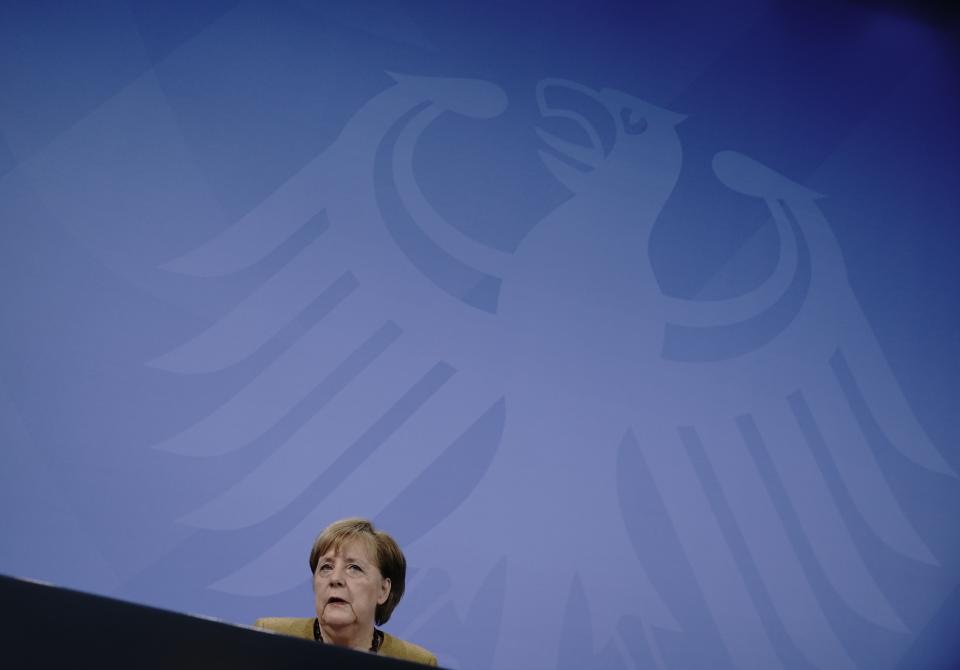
(632, 126)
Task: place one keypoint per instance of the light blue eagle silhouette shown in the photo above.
(560, 360)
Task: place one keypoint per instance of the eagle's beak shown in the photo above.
(587, 155)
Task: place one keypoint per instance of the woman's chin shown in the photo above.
(338, 615)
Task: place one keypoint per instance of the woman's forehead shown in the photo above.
(351, 547)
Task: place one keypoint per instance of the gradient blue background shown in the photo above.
(133, 133)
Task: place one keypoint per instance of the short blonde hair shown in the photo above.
(387, 553)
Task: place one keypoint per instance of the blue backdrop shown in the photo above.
(636, 326)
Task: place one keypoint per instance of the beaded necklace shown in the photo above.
(374, 647)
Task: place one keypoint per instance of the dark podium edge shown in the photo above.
(45, 625)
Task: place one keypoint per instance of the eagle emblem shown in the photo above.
(582, 469)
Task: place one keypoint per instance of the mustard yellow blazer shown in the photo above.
(391, 646)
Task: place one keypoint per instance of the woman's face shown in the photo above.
(348, 585)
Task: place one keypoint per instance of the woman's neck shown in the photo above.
(354, 636)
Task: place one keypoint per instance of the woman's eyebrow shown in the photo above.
(349, 559)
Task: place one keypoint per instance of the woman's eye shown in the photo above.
(355, 567)
(325, 568)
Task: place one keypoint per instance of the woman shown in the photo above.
(358, 578)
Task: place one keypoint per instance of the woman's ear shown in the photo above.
(384, 590)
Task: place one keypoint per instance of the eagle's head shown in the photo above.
(609, 140)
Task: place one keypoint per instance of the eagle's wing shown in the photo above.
(770, 467)
(364, 342)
